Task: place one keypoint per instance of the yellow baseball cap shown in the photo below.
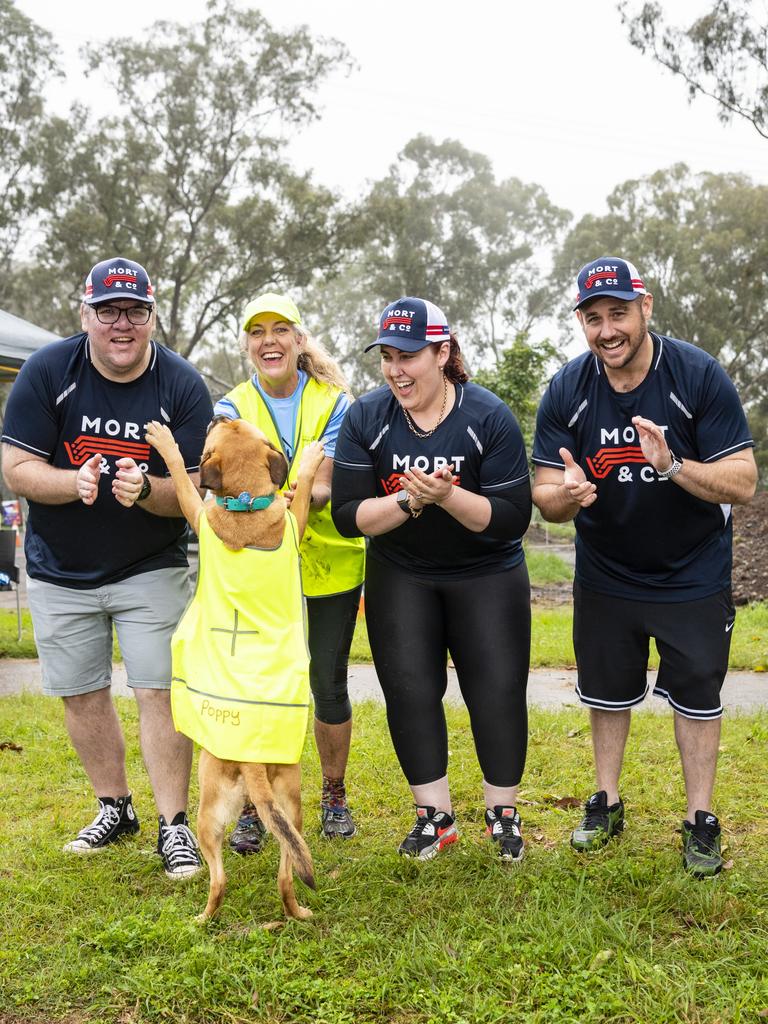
(271, 302)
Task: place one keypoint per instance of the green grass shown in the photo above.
(622, 937)
(552, 647)
(545, 568)
(551, 644)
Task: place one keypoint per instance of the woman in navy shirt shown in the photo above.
(433, 470)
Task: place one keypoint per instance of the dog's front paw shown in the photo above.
(311, 459)
(160, 437)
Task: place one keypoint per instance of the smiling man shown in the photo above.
(105, 541)
(643, 442)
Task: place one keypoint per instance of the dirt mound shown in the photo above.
(750, 550)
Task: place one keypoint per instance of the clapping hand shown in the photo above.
(429, 488)
(575, 481)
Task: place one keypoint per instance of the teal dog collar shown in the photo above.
(245, 503)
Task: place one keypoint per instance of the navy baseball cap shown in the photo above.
(411, 324)
(118, 278)
(608, 276)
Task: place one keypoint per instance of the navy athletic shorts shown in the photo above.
(611, 639)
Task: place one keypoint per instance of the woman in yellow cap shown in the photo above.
(298, 395)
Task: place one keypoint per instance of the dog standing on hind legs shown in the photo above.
(240, 665)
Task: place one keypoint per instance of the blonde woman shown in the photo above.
(297, 395)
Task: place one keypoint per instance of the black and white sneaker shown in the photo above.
(502, 824)
(178, 847)
(116, 818)
(433, 831)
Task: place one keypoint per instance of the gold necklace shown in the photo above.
(412, 426)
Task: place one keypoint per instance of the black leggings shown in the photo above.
(485, 624)
(331, 621)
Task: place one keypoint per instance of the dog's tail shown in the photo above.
(290, 839)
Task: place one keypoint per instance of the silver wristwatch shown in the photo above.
(674, 469)
(404, 501)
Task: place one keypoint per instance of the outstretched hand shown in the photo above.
(127, 483)
(88, 479)
(575, 481)
(653, 443)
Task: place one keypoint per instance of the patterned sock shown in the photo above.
(334, 792)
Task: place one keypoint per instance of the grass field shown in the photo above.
(551, 645)
(623, 937)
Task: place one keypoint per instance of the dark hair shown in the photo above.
(454, 368)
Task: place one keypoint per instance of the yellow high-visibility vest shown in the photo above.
(330, 563)
(240, 685)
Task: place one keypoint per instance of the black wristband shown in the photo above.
(146, 488)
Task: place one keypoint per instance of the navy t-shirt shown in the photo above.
(63, 410)
(646, 538)
(480, 437)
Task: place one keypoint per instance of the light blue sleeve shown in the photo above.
(331, 433)
(225, 407)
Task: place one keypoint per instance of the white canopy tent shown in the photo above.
(18, 340)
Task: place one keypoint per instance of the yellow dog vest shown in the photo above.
(240, 684)
(331, 564)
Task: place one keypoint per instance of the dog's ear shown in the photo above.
(278, 466)
(215, 421)
(210, 471)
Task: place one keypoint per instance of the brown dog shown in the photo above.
(238, 458)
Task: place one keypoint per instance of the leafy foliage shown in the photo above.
(518, 378)
(439, 225)
(188, 175)
(27, 63)
(723, 55)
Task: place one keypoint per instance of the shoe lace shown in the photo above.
(177, 840)
(418, 828)
(595, 817)
(104, 821)
(250, 820)
(337, 813)
(508, 827)
(704, 838)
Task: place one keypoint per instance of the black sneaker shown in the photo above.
(503, 826)
(116, 818)
(337, 822)
(433, 831)
(701, 846)
(178, 847)
(600, 823)
(248, 834)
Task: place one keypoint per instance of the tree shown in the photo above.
(723, 55)
(519, 378)
(27, 63)
(440, 226)
(701, 245)
(188, 175)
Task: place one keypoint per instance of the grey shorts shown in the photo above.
(73, 630)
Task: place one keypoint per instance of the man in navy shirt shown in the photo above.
(105, 541)
(643, 442)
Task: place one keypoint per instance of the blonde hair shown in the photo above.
(314, 359)
(317, 361)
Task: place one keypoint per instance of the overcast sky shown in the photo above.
(551, 91)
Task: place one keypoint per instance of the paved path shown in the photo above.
(743, 691)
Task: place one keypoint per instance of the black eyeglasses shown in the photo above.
(137, 315)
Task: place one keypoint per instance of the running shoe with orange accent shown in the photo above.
(433, 831)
